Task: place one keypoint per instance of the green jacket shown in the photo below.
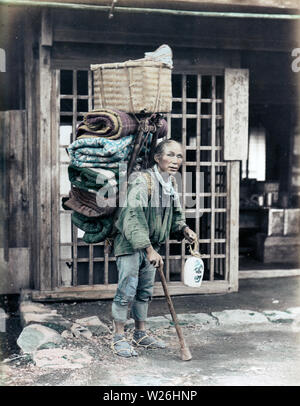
(140, 225)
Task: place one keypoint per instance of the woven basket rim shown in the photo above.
(131, 63)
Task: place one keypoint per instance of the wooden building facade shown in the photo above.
(222, 65)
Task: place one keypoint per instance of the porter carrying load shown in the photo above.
(107, 139)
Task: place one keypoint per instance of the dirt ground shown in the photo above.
(250, 355)
(268, 355)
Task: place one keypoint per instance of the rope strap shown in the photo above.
(195, 252)
(139, 341)
(103, 102)
(130, 84)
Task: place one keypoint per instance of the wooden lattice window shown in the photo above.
(197, 120)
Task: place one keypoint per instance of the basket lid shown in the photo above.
(130, 63)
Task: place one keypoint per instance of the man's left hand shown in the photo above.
(189, 235)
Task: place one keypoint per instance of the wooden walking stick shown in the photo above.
(185, 352)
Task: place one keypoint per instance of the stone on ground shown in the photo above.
(294, 310)
(81, 331)
(37, 336)
(38, 313)
(276, 316)
(94, 324)
(58, 358)
(152, 323)
(30, 307)
(232, 317)
(67, 334)
(202, 319)
(54, 321)
(157, 322)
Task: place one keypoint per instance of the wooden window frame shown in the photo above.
(49, 281)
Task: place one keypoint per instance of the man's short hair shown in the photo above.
(160, 148)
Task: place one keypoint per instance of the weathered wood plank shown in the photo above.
(32, 108)
(86, 292)
(47, 28)
(236, 106)
(45, 170)
(208, 42)
(18, 179)
(55, 201)
(4, 140)
(77, 55)
(268, 273)
(232, 224)
(168, 23)
(15, 180)
(196, 4)
(14, 275)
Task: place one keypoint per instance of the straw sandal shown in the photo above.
(122, 347)
(145, 341)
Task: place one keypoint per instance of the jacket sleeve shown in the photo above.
(132, 222)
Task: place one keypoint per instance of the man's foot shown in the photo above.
(122, 347)
(141, 339)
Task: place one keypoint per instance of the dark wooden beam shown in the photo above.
(148, 30)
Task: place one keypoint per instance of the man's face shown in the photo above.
(171, 159)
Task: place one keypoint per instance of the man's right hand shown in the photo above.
(153, 257)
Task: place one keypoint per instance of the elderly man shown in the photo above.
(152, 212)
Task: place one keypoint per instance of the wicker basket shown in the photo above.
(133, 86)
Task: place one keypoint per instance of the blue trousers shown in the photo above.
(135, 286)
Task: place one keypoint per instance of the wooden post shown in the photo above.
(55, 173)
(32, 108)
(236, 106)
(184, 142)
(232, 252)
(45, 168)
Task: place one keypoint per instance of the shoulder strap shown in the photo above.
(149, 182)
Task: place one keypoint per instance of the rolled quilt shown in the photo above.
(109, 123)
(113, 124)
(96, 230)
(100, 152)
(94, 179)
(89, 204)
